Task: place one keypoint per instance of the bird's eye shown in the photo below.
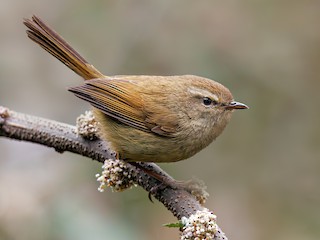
(207, 101)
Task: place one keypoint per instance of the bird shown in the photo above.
(145, 118)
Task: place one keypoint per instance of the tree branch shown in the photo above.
(63, 137)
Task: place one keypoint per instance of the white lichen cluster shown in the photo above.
(116, 175)
(199, 226)
(87, 126)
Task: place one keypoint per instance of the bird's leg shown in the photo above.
(193, 186)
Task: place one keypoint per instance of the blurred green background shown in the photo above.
(263, 173)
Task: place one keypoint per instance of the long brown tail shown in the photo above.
(54, 44)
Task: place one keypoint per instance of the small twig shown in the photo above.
(63, 137)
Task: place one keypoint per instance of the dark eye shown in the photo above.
(207, 101)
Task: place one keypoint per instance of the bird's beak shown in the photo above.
(236, 105)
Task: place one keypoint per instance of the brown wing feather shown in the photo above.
(112, 98)
(121, 100)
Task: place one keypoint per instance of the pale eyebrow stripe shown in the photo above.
(203, 93)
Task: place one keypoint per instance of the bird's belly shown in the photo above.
(135, 145)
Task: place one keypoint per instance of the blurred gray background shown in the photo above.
(262, 173)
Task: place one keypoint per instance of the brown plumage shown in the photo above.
(145, 118)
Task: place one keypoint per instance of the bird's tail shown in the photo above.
(54, 44)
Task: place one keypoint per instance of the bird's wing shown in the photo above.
(122, 100)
